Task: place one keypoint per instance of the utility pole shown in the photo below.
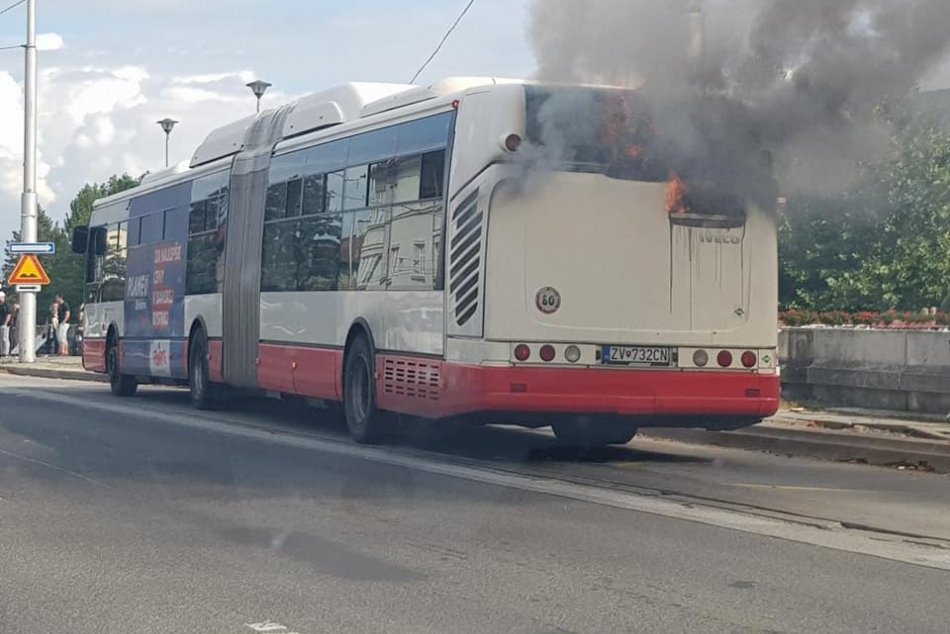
(27, 319)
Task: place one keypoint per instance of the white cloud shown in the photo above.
(49, 42)
(102, 88)
(97, 121)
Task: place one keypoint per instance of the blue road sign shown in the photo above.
(32, 248)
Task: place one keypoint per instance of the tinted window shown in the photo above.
(110, 269)
(276, 205)
(376, 224)
(356, 187)
(363, 248)
(197, 217)
(207, 231)
(334, 197)
(433, 175)
(329, 157)
(371, 147)
(301, 254)
(313, 195)
(294, 198)
(431, 133)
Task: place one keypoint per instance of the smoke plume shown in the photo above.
(801, 77)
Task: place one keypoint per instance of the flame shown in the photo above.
(676, 191)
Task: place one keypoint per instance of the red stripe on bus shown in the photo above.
(630, 392)
(94, 355)
(435, 389)
(310, 372)
(215, 361)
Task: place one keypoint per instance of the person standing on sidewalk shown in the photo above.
(62, 329)
(52, 323)
(6, 315)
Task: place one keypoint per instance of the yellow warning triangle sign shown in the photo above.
(28, 272)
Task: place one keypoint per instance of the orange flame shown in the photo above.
(676, 191)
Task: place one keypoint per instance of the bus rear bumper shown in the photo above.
(465, 389)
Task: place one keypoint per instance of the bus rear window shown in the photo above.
(600, 131)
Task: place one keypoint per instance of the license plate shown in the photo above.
(639, 356)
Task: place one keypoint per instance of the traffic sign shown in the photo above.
(29, 289)
(28, 272)
(36, 248)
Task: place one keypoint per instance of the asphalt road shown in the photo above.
(143, 516)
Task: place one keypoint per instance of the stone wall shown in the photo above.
(879, 369)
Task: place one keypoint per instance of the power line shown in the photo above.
(13, 6)
(444, 40)
(10, 48)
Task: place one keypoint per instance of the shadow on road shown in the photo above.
(499, 444)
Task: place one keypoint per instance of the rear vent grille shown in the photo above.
(465, 259)
(411, 378)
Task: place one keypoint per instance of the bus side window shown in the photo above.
(207, 226)
(113, 267)
(416, 226)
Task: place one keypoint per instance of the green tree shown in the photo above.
(883, 244)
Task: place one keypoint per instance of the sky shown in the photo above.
(109, 69)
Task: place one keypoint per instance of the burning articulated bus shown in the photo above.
(487, 250)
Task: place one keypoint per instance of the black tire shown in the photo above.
(594, 432)
(366, 423)
(122, 385)
(204, 394)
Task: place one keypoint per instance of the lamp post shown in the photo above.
(259, 87)
(28, 202)
(167, 125)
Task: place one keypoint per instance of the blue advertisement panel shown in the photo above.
(155, 283)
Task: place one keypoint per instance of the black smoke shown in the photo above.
(801, 78)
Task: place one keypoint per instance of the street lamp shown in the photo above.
(259, 87)
(167, 125)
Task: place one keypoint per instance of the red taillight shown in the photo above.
(548, 353)
(749, 359)
(522, 353)
(724, 359)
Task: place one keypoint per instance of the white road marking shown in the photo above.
(846, 540)
(268, 626)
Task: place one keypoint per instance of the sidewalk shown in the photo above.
(69, 368)
(852, 435)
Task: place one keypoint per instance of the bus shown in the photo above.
(430, 252)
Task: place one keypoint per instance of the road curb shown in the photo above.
(838, 447)
(49, 373)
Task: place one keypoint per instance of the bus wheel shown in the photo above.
(594, 432)
(366, 423)
(122, 384)
(203, 392)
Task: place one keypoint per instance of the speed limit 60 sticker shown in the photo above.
(548, 300)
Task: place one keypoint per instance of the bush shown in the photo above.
(834, 318)
(795, 318)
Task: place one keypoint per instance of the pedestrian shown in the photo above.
(52, 323)
(6, 315)
(62, 329)
(14, 325)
